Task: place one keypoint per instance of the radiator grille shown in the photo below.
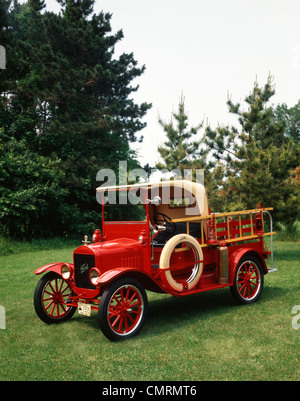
(82, 266)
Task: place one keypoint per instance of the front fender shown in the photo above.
(109, 275)
(53, 267)
(144, 278)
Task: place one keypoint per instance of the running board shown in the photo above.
(272, 270)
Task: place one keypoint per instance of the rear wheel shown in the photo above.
(123, 309)
(50, 297)
(248, 281)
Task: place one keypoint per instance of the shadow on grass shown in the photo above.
(167, 312)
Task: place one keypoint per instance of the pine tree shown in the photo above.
(259, 158)
(181, 150)
(67, 97)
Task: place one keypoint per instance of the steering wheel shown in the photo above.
(171, 227)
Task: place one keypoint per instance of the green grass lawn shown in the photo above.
(201, 337)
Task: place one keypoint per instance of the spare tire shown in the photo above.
(196, 271)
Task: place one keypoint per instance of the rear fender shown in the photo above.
(52, 267)
(236, 256)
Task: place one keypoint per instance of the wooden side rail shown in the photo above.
(233, 227)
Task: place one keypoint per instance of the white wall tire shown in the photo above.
(196, 271)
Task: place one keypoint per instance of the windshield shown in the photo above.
(122, 206)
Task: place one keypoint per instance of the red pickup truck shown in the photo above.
(171, 243)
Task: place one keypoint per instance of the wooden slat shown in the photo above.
(210, 216)
(228, 230)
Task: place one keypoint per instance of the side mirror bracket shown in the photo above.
(155, 201)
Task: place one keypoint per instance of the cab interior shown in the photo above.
(176, 203)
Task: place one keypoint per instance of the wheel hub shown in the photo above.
(57, 298)
(125, 309)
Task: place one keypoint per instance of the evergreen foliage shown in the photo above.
(260, 157)
(255, 161)
(182, 149)
(66, 111)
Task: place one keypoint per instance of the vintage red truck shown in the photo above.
(176, 246)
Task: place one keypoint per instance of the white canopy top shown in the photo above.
(168, 190)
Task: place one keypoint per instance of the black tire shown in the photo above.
(248, 280)
(50, 295)
(123, 309)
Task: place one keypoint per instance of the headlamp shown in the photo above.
(65, 272)
(94, 275)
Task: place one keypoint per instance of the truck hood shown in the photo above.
(122, 252)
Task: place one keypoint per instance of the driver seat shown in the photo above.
(163, 236)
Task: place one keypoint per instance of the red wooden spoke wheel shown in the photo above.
(122, 309)
(248, 281)
(50, 297)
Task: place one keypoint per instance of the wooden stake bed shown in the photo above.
(227, 229)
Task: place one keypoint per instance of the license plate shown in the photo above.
(84, 309)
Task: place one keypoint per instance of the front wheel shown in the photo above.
(123, 309)
(248, 280)
(50, 297)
